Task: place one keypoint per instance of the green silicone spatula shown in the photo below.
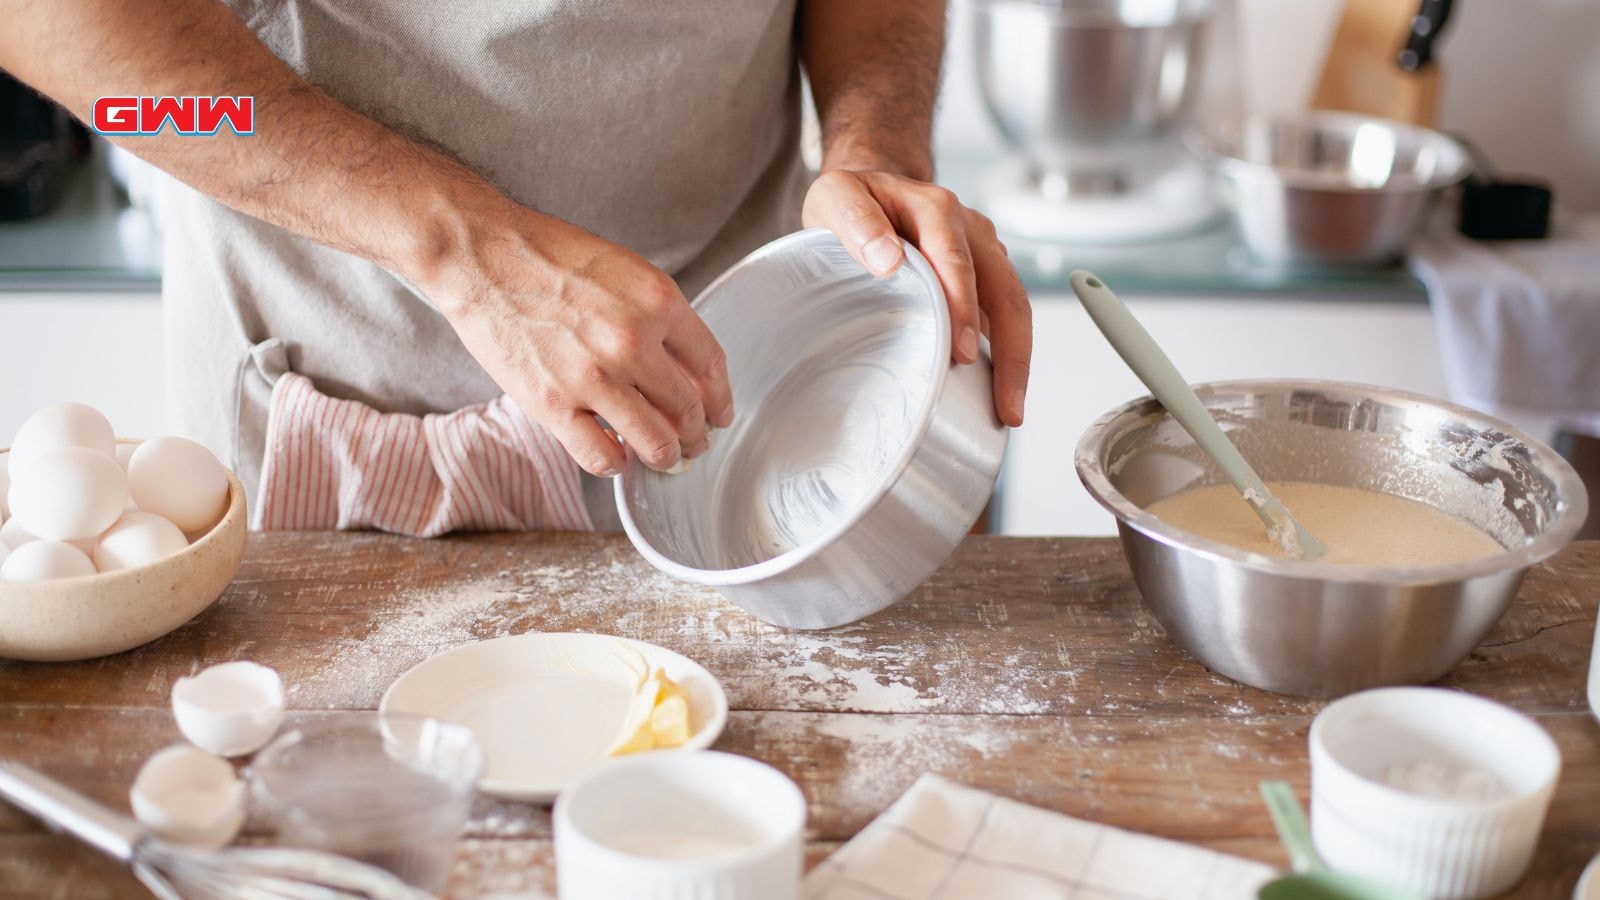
(1312, 879)
(1145, 357)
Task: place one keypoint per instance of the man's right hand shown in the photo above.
(571, 326)
(574, 327)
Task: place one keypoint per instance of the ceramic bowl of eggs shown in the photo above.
(108, 544)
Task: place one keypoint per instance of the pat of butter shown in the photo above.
(658, 717)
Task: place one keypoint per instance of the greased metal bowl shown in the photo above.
(1088, 88)
(1316, 629)
(859, 455)
(1326, 189)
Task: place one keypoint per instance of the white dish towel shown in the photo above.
(945, 841)
(1519, 321)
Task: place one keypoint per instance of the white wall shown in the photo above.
(1077, 377)
(103, 349)
(1522, 80)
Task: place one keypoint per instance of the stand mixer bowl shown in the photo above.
(1090, 91)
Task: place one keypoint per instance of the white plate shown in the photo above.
(546, 706)
(1589, 884)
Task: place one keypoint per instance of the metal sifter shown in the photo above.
(178, 873)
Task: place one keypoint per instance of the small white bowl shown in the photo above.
(98, 615)
(685, 826)
(1589, 884)
(1442, 847)
(1594, 673)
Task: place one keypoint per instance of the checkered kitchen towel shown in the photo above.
(944, 841)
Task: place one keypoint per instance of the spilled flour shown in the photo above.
(923, 667)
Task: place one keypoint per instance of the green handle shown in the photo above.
(1147, 360)
(1293, 831)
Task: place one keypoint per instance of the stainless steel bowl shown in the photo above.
(1329, 189)
(859, 455)
(1315, 629)
(1088, 88)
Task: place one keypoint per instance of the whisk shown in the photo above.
(178, 873)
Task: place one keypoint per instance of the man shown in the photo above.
(443, 201)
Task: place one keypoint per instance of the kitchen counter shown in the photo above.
(1026, 667)
(92, 240)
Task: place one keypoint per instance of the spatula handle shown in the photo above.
(1147, 360)
(1293, 831)
(64, 809)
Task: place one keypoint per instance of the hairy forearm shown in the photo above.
(874, 70)
(313, 165)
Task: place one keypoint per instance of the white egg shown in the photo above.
(229, 709)
(69, 494)
(189, 797)
(3, 554)
(179, 480)
(5, 483)
(45, 560)
(13, 535)
(61, 425)
(124, 453)
(137, 539)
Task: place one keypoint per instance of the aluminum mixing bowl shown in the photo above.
(1316, 629)
(1088, 88)
(1328, 189)
(858, 458)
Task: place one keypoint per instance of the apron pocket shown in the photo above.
(339, 464)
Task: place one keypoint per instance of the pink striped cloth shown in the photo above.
(339, 464)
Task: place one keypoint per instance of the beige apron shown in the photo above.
(669, 127)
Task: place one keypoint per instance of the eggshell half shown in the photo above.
(229, 709)
(189, 797)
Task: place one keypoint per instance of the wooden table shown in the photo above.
(1026, 667)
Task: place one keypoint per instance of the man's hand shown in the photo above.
(869, 211)
(874, 71)
(568, 324)
(574, 326)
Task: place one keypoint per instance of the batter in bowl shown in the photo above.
(1358, 527)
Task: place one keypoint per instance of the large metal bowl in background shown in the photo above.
(1315, 629)
(1087, 89)
(1328, 189)
(859, 456)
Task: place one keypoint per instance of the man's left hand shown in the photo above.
(871, 210)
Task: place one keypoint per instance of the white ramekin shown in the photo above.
(706, 793)
(1437, 847)
(1594, 673)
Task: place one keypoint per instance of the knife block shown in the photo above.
(1361, 75)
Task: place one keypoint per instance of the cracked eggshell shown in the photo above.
(189, 797)
(230, 709)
